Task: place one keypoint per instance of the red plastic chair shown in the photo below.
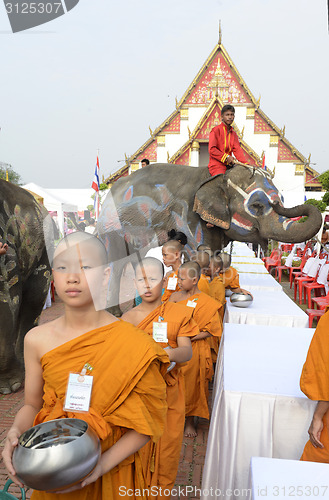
(297, 271)
(319, 288)
(274, 260)
(314, 313)
(321, 302)
(278, 271)
(299, 280)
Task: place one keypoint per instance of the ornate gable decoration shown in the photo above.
(218, 80)
(149, 152)
(261, 126)
(173, 127)
(209, 123)
(285, 154)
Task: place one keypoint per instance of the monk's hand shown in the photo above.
(315, 432)
(95, 474)
(7, 453)
(245, 292)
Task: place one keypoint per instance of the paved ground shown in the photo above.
(193, 450)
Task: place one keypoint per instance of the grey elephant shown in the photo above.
(24, 276)
(243, 205)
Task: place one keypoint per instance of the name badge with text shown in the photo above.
(160, 332)
(78, 392)
(172, 283)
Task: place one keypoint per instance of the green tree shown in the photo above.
(324, 179)
(321, 205)
(13, 176)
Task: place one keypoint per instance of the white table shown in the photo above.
(264, 282)
(267, 308)
(239, 248)
(258, 408)
(252, 267)
(272, 479)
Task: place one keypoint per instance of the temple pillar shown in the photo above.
(195, 154)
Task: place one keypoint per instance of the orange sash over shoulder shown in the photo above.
(231, 278)
(203, 284)
(314, 382)
(199, 370)
(162, 462)
(128, 393)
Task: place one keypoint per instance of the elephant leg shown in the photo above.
(11, 370)
(34, 293)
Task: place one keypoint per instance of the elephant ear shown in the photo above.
(211, 203)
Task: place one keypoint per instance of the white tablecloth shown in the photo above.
(264, 282)
(272, 479)
(268, 308)
(258, 408)
(252, 267)
(246, 259)
(239, 248)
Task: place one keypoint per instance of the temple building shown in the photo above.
(182, 138)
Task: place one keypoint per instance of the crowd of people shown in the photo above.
(164, 349)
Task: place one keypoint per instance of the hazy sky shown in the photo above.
(97, 77)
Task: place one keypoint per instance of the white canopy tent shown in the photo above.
(53, 203)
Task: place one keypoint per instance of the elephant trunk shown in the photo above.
(289, 231)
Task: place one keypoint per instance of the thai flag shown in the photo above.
(95, 184)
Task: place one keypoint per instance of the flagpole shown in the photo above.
(97, 199)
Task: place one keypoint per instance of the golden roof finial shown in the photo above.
(151, 131)
(242, 133)
(168, 157)
(219, 33)
(283, 131)
(176, 102)
(127, 160)
(189, 132)
(309, 159)
(273, 173)
(258, 102)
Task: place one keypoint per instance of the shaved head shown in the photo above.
(150, 262)
(216, 260)
(202, 258)
(174, 245)
(193, 268)
(226, 259)
(79, 239)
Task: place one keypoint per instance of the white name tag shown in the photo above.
(172, 283)
(78, 392)
(191, 303)
(160, 332)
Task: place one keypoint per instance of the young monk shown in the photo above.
(128, 398)
(314, 383)
(216, 285)
(172, 257)
(199, 370)
(202, 258)
(230, 276)
(179, 327)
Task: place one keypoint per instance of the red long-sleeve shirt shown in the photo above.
(223, 141)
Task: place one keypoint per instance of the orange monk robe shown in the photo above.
(128, 393)
(199, 370)
(217, 292)
(167, 293)
(203, 284)
(314, 382)
(162, 463)
(230, 278)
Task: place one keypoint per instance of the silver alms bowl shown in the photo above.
(56, 454)
(228, 292)
(241, 300)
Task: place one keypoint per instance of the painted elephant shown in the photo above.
(24, 276)
(243, 204)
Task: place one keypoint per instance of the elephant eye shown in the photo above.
(257, 208)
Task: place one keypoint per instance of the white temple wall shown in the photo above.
(240, 116)
(286, 180)
(194, 116)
